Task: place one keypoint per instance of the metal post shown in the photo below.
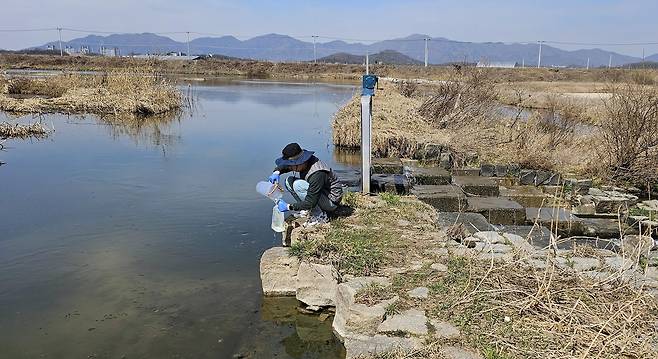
(610, 61)
(588, 63)
(366, 135)
(539, 61)
(61, 52)
(188, 44)
(315, 54)
(367, 64)
(426, 50)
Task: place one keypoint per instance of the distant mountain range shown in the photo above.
(276, 47)
(384, 57)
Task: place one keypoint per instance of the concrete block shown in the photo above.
(487, 170)
(527, 177)
(479, 186)
(445, 198)
(466, 171)
(498, 210)
(542, 178)
(445, 161)
(387, 165)
(427, 175)
(527, 196)
(390, 183)
(560, 218)
(501, 171)
(472, 222)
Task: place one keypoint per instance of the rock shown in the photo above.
(354, 318)
(466, 171)
(419, 293)
(501, 170)
(537, 263)
(519, 243)
(445, 161)
(386, 165)
(611, 201)
(563, 219)
(604, 227)
(444, 330)
(498, 210)
(472, 222)
(445, 198)
(452, 352)
(439, 252)
(493, 248)
(398, 184)
(618, 263)
(441, 268)
(431, 151)
(427, 175)
(363, 346)
(634, 246)
(578, 264)
(489, 237)
(317, 284)
(411, 321)
(542, 178)
(480, 186)
(537, 236)
(349, 178)
(278, 272)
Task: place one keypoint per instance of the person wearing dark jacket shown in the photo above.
(317, 189)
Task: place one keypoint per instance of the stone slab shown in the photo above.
(537, 235)
(410, 321)
(480, 186)
(472, 222)
(466, 171)
(398, 184)
(527, 196)
(354, 318)
(278, 272)
(527, 177)
(370, 346)
(498, 210)
(487, 170)
(606, 228)
(386, 165)
(427, 175)
(445, 198)
(562, 219)
(317, 284)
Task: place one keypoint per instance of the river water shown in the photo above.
(143, 241)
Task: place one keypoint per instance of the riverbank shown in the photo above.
(128, 92)
(408, 282)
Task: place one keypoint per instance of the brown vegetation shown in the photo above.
(36, 130)
(132, 91)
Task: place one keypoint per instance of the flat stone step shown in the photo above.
(498, 210)
(537, 235)
(472, 222)
(445, 198)
(479, 186)
(466, 171)
(394, 183)
(386, 165)
(527, 196)
(606, 228)
(427, 175)
(562, 219)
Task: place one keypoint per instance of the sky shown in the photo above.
(582, 21)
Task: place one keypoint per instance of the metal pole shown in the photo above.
(61, 52)
(188, 44)
(610, 61)
(315, 54)
(426, 50)
(366, 135)
(539, 61)
(588, 63)
(367, 64)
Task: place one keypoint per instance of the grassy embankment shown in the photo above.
(608, 133)
(504, 309)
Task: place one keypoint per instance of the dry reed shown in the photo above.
(36, 130)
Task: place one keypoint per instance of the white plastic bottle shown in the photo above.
(277, 220)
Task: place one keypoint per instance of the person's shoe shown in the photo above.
(300, 214)
(317, 216)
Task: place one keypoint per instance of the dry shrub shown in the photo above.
(643, 77)
(629, 133)
(35, 130)
(408, 88)
(35, 86)
(468, 97)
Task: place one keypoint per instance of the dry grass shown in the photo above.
(132, 91)
(35, 130)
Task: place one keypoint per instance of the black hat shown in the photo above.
(293, 154)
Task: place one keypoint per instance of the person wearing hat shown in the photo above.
(317, 189)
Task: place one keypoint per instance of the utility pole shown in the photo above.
(610, 62)
(61, 52)
(427, 39)
(523, 63)
(539, 61)
(315, 54)
(588, 63)
(367, 64)
(188, 44)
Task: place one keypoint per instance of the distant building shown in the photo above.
(498, 64)
(174, 56)
(109, 51)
